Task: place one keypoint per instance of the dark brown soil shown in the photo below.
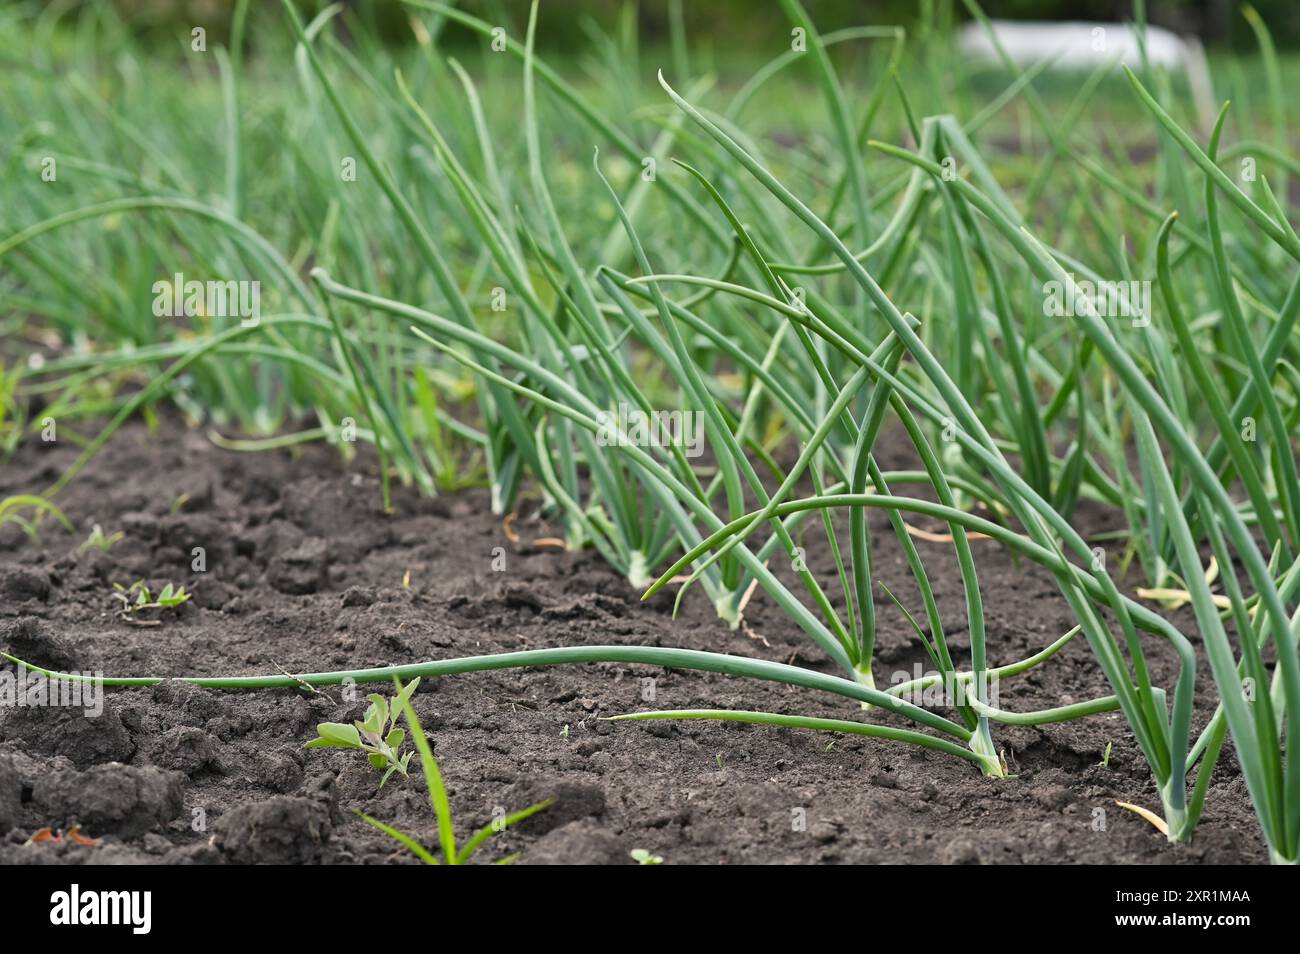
(304, 573)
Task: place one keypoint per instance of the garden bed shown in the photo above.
(306, 573)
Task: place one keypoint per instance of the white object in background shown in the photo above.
(1078, 45)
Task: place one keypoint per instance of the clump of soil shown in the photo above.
(304, 572)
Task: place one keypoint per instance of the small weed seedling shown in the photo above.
(1105, 756)
(451, 855)
(377, 734)
(99, 540)
(643, 857)
(137, 599)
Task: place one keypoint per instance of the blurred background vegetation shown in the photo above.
(738, 22)
(129, 110)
